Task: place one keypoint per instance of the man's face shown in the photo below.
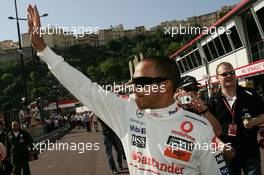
(147, 95)
(15, 126)
(226, 76)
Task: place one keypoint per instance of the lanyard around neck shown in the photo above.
(231, 109)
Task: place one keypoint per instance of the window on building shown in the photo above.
(185, 64)
(189, 61)
(194, 60)
(260, 14)
(251, 27)
(212, 49)
(198, 57)
(219, 46)
(226, 42)
(207, 53)
(253, 33)
(180, 66)
(235, 37)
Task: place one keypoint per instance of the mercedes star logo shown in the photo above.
(140, 113)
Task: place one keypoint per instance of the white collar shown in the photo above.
(165, 112)
(16, 133)
(231, 100)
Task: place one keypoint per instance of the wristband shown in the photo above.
(203, 112)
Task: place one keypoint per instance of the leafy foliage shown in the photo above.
(105, 65)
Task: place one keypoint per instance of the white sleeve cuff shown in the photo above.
(49, 57)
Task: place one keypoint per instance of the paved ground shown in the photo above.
(71, 162)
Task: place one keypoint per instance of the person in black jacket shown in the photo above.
(19, 145)
(239, 110)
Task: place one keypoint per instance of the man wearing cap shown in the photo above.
(189, 89)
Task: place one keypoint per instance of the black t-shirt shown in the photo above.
(247, 101)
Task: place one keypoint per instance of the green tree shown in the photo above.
(172, 48)
(114, 45)
(7, 78)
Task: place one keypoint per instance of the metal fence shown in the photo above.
(257, 51)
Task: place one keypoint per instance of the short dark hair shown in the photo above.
(166, 68)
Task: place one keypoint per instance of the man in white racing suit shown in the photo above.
(158, 138)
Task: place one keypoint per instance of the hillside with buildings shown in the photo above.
(64, 38)
(103, 56)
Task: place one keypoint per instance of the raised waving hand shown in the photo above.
(34, 28)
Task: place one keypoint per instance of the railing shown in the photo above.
(257, 51)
